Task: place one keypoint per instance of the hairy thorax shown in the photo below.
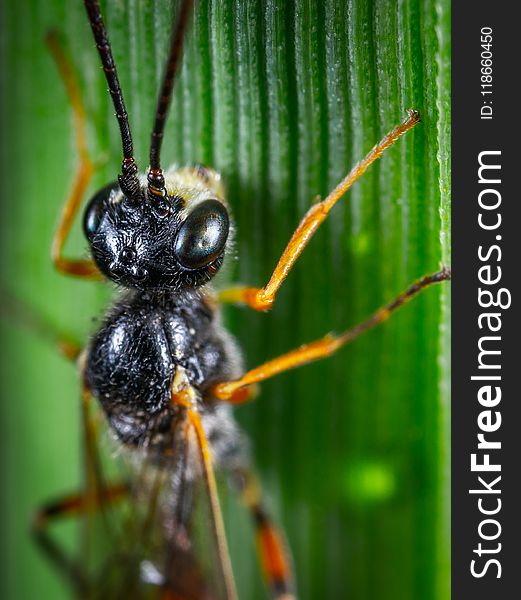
(132, 360)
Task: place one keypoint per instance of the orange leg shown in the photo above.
(230, 390)
(94, 499)
(273, 554)
(94, 485)
(263, 298)
(76, 267)
(217, 520)
(73, 505)
(14, 309)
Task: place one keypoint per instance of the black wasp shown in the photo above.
(161, 365)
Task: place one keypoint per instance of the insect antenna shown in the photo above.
(128, 180)
(156, 181)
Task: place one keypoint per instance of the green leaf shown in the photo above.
(282, 98)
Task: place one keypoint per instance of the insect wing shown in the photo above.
(123, 541)
(202, 569)
(164, 538)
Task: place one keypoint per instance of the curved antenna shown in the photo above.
(156, 181)
(128, 180)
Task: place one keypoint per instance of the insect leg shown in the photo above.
(263, 298)
(95, 487)
(273, 554)
(76, 267)
(218, 524)
(231, 391)
(95, 498)
(73, 505)
(15, 310)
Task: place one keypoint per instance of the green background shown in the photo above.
(282, 98)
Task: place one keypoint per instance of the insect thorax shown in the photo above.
(133, 358)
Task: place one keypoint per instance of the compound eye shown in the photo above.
(96, 209)
(203, 235)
